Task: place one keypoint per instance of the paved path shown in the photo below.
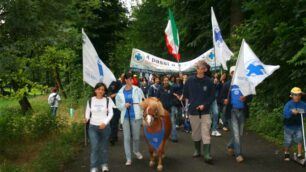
(260, 156)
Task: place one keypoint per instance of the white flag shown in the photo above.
(250, 71)
(222, 52)
(94, 70)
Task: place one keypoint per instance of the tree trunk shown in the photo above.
(59, 82)
(25, 104)
(236, 14)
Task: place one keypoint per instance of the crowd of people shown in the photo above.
(213, 103)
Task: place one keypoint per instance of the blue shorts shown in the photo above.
(292, 136)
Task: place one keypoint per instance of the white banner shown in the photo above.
(94, 70)
(142, 61)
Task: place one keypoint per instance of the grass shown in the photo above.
(35, 142)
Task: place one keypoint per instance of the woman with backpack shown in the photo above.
(53, 100)
(99, 112)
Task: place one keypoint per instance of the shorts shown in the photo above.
(292, 136)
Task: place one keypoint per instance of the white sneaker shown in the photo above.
(138, 155)
(217, 133)
(105, 168)
(128, 163)
(94, 170)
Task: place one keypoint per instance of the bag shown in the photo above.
(89, 103)
(51, 100)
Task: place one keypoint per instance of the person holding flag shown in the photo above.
(236, 112)
(248, 73)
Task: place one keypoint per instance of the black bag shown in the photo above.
(89, 103)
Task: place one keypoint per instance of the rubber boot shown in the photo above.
(197, 149)
(206, 153)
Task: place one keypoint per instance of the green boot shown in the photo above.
(197, 149)
(206, 153)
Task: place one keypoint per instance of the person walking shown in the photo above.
(199, 91)
(114, 123)
(152, 92)
(237, 111)
(165, 95)
(99, 112)
(53, 100)
(127, 101)
(215, 108)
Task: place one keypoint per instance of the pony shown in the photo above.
(157, 129)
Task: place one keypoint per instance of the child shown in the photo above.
(292, 122)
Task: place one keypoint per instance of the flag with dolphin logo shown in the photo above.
(250, 71)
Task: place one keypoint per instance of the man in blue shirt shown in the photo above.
(237, 112)
(293, 123)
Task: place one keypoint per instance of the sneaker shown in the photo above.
(300, 156)
(230, 151)
(239, 159)
(225, 129)
(105, 168)
(138, 155)
(287, 157)
(94, 170)
(128, 163)
(216, 133)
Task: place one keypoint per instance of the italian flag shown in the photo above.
(172, 37)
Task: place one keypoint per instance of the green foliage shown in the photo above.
(57, 151)
(277, 37)
(268, 123)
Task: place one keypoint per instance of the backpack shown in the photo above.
(51, 100)
(89, 103)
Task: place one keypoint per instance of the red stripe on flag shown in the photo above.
(170, 49)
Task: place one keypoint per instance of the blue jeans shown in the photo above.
(53, 111)
(215, 115)
(237, 122)
(292, 136)
(173, 115)
(225, 119)
(135, 126)
(99, 145)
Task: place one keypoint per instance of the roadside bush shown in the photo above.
(266, 121)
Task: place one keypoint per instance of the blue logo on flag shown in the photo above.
(211, 55)
(100, 70)
(138, 57)
(255, 69)
(218, 36)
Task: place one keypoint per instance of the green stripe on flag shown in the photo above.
(174, 29)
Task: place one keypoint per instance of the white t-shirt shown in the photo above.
(99, 111)
(57, 99)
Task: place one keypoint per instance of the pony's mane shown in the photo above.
(154, 103)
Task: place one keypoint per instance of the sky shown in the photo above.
(130, 3)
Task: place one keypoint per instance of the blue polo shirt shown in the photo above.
(235, 97)
(128, 95)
